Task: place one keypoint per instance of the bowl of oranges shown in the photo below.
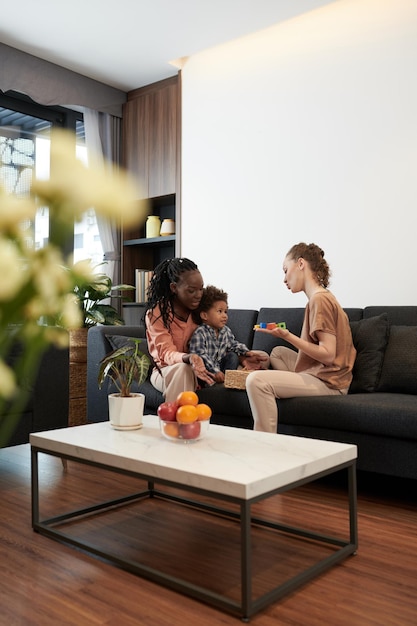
(185, 420)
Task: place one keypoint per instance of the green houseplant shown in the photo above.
(124, 366)
(91, 296)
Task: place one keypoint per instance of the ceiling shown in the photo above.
(130, 43)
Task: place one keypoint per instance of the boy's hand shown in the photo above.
(254, 360)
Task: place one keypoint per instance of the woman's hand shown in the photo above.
(199, 369)
(282, 333)
(254, 360)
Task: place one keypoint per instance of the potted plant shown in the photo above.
(124, 366)
(91, 295)
(91, 291)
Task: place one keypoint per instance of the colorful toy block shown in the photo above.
(270, 325)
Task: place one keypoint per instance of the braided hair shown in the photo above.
(159, 291)
(314, 255)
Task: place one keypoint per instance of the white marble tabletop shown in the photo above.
(229, 461)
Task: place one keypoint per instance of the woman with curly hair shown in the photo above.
(174, 293)
(324, 355)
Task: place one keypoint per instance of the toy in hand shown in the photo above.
(270, 325)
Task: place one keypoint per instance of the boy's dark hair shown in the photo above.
(211, 295)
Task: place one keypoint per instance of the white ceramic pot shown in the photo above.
(167, 227)
(126, 413)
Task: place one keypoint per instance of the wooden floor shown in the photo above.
(46, 583)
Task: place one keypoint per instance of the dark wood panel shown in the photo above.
(44, 583)
(163, 142)
(150, 136)
(136, 140)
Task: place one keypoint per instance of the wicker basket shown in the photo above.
(235, 379)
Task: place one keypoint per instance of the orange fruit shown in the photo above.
(186, 414)
(187, 397)
(204, 412)
(171, 429)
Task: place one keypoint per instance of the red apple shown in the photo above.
(167, 411)
(190, 431)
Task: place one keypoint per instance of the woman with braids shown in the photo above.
(174, 292)
(323, 360)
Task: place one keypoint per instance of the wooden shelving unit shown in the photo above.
(151, 144)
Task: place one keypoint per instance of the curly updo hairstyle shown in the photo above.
(314, 256)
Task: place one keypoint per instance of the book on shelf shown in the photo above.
(142, 280)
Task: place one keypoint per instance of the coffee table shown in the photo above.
(232, 465)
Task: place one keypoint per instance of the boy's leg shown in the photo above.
(229, 362)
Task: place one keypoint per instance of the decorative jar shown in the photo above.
(153, 226)
(167, 227)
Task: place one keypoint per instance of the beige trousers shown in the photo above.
(264, 387)
(173, 379)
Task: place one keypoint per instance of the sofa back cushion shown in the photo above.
(293, 318)
(399, 370)
(370, 338)
(241, 323)
(397, 315)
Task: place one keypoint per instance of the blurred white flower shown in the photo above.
(76, 187)
(14, 272)
(7, 380)
(13, 211)
(42, 294)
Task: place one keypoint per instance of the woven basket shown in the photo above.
(235, 379)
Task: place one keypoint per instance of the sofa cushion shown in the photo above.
(399, 371)
(293, 318)
(241, 323)
(370, 338)
(379, 414)
(397, 315)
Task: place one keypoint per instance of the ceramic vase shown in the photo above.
(167, 227)
(153, 226)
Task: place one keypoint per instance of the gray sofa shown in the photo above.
(47, 406)
(379, 414)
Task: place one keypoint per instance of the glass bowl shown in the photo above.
(184, 433)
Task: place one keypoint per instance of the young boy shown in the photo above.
(214, 341)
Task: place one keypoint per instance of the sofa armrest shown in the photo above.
(51, 392)
(47, 405)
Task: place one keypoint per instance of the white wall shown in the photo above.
(306, 131)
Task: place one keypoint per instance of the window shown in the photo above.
(25, 130)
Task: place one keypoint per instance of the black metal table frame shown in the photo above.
(248, 606)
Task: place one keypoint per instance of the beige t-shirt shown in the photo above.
(324, 313)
